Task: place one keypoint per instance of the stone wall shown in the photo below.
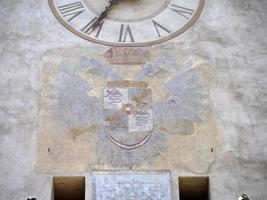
(226, 48)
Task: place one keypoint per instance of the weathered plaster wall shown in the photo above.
(230, 34)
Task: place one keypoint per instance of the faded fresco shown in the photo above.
(151, 115)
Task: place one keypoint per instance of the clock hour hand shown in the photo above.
(105, 13)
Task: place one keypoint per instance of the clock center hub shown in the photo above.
(129, 10)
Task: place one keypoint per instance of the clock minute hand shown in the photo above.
(105, 13)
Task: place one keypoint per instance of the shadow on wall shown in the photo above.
(68, 188)
(194, 188)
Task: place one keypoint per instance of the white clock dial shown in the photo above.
(129, 23)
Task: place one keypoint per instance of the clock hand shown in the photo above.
(105, 13)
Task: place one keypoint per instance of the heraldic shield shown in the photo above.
(128, 113)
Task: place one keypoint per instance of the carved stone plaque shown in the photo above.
(154, 185)
(128, 114)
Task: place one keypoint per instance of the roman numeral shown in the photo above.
(125, 33)
(71, 10)
(90, 27)
(185, 12)
(159, 27)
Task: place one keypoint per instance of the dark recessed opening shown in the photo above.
(194, 188)
(69, 188)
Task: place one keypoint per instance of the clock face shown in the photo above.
(130, 22)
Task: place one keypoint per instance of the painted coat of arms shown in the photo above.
(128, 113)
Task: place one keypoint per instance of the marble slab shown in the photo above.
(141, 185)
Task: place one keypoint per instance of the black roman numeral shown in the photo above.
(90, 27)
(158, 27)
(71, 10)
(185, 12)
(125, 33)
